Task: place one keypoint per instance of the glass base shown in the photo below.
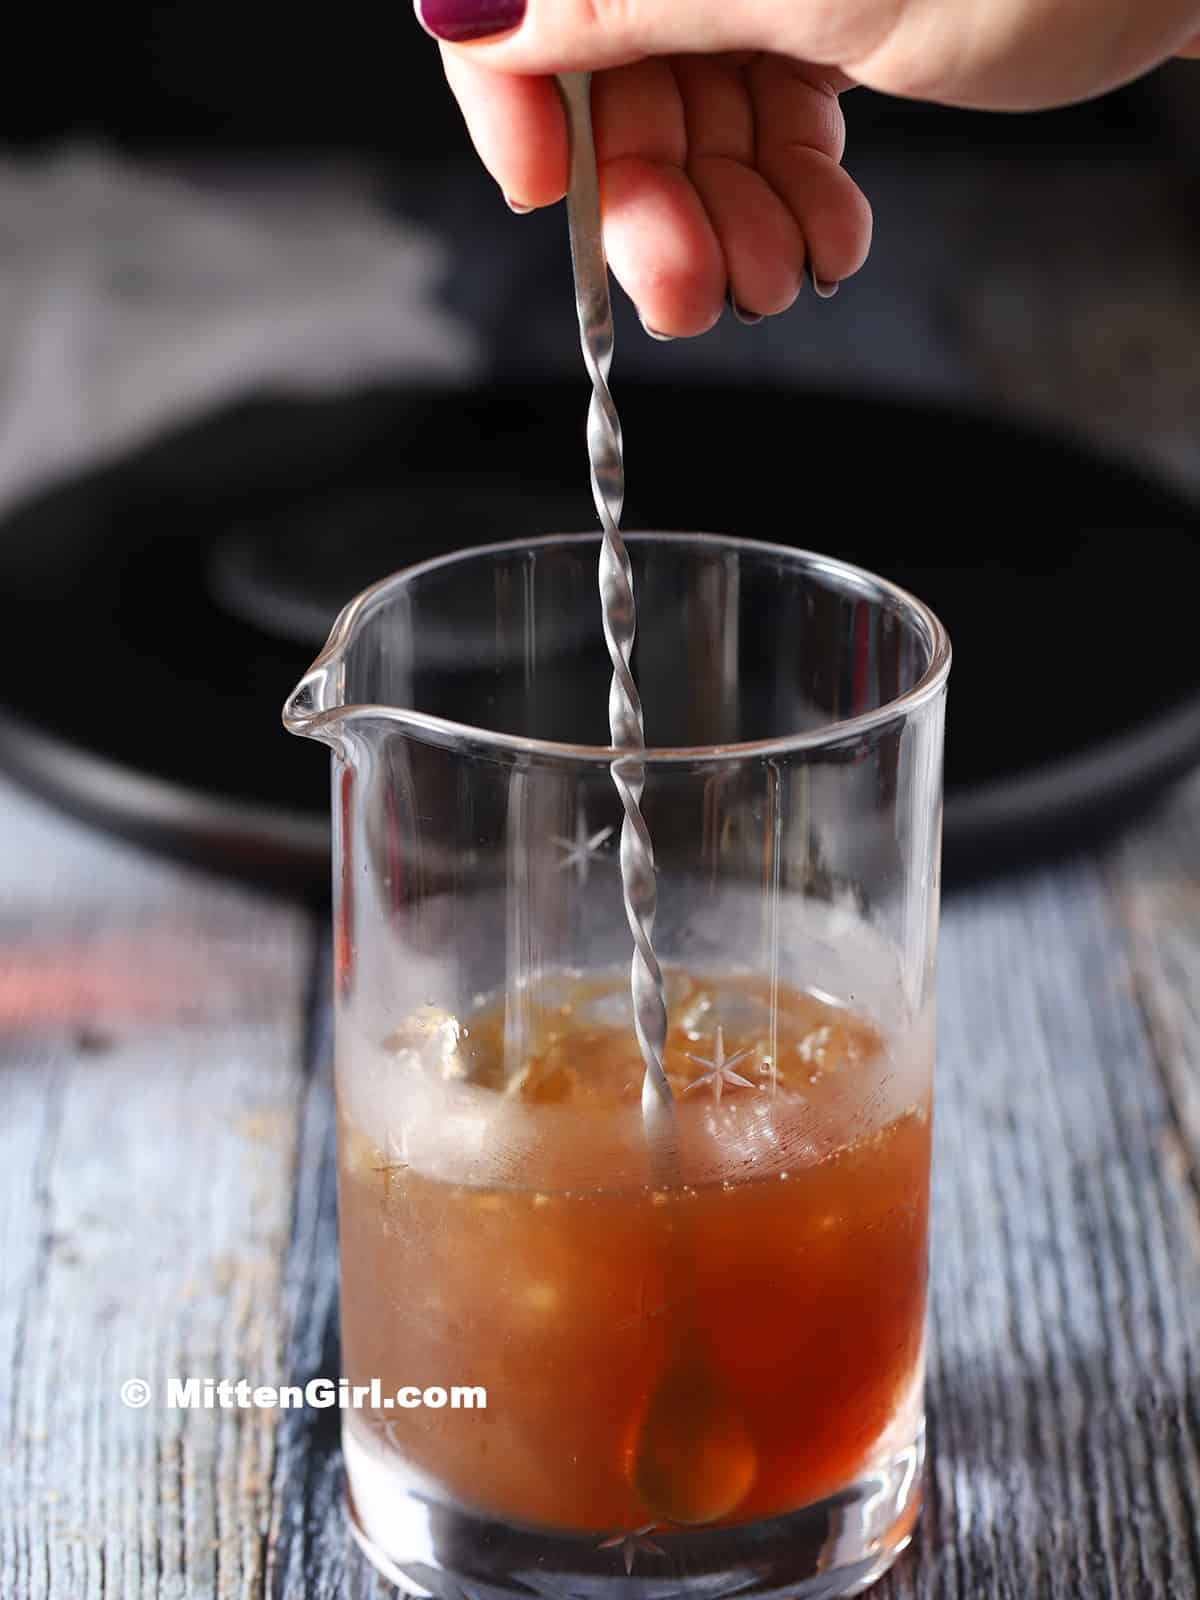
(838, 1546)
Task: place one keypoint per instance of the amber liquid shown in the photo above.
(731, 1348)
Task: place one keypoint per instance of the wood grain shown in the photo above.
(168, 1198)
(1066, 1285)
(1156, 880)
(310, 1550)
(150, 1056)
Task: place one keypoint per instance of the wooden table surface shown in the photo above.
(167, 1208)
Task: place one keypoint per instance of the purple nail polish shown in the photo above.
(460, 21)
(824, 291)
(748, 319)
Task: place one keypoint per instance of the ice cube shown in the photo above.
(611, 1008)
(428, 1041)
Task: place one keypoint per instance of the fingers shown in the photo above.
(548, 36)
(517, 125)
(794, 104)
(661, 246)
(761, 242)
(764, 145)
(800, 137)
(1003, 55)
(717, 174)
(660, 242)
(638, 110)
(831, 210)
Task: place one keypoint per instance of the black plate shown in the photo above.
(158, 611)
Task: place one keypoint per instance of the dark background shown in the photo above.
(972, 210)
(1045, 268)
(237, 77)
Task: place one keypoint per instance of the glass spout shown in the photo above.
(363, 671)
(312, 708)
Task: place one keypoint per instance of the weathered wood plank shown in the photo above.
(311, 1555)
(150, 1064)
(148, 1154)
(310, 1551)
(1066, 1282)
(1065, 1293)
(1156, 878)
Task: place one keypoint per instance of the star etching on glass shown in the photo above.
(632, 1543)
(582, 850)
(719, 1071)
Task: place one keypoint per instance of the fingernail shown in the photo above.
(517, 209)
(663, 338)
(823, 290)
(460, 21)
(748, 319)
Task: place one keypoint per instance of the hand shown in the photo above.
(718, 126)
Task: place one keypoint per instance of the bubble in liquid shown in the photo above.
(812, 1046)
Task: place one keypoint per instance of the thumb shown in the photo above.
(547, 36)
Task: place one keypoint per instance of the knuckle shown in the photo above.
(834, 31)
(610, 19)
(899, 52)
(908, 75)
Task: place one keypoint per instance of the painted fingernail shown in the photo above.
(515, 207)
(748, 319)
(460, 21)
(825, 290)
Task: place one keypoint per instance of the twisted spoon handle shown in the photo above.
(638, 883)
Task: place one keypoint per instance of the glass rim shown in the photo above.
(319, 717)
